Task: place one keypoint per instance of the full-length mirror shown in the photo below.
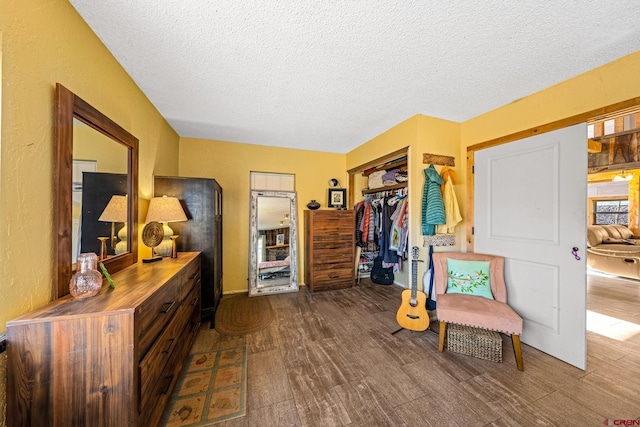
(96, 189)
(273, 258)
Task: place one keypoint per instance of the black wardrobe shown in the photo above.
(201, 199)
(97, 190)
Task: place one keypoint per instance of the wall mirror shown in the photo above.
(273, 258)
(96, 197)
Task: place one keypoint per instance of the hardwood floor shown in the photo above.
(329, 359)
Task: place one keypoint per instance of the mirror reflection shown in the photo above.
(86, 145)
(273, 257)
(99, 193)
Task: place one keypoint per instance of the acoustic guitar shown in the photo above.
(412, 313)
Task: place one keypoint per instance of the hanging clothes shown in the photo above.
(432, 205)
(395, 234)
(445, 173)
(388, 255)
(365, 221)
(452, 211)
(359, 215)
(372, 223)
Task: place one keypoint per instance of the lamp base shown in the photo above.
(164, 248)
(152, 259)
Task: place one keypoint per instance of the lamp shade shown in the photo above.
(116, 210)
(165, 209)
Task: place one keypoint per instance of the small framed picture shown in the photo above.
(337, 198)
(280, 239)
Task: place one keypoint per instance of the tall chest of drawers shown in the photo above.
(329, 249)
(108, 360)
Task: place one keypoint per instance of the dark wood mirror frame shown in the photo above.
(68, 107)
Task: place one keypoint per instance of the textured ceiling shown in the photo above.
(330, 75)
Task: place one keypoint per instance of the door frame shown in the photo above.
(592, 115)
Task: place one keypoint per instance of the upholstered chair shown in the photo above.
(476, 311)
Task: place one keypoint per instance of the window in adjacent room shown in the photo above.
(611, 212)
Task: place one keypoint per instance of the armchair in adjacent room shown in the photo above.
(458, 301)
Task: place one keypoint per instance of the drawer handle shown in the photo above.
(168, 381)
(167, 306)
(195, 301)
(194, 276)
(169, 346)
(334, 277)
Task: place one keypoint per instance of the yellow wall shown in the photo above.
(44, 42)
(230, 164)
(89, 144)
(421, 134)
(613, 82)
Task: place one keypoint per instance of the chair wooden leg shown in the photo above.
(517, 349)
(443, 332)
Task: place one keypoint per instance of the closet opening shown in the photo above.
(378, 192)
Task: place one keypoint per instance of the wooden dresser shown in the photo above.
(108, 360)
(329, 249)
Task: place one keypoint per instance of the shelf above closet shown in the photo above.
(397, 163)
(386, 188)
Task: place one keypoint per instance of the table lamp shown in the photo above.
(116, 211)
(165, 210)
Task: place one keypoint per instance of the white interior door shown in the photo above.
(529, 206)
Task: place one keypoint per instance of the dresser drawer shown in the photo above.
(158, 395)
(155, 361)
(333, 259)
(155, 312)
(190, 277)
(334, 275)
(190, 305)
(160, 368)
(333, 234)
(332, 215)
(322, 226)
(333, 242)
(158, 355)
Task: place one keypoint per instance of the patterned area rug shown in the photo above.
(212, 388)
(239, 314)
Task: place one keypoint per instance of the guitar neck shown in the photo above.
(414, 279)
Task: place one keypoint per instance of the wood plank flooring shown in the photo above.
(329, 359)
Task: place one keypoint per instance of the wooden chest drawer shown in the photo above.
(190, 277)
(332, 241)
(335, 224)
(331, 259)
(329, 249)
(158, 373)
(155, 312)
(190, 305)
(336, 278)
(158, 395)
(154, 362)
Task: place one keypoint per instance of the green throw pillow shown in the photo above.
(468, 278)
